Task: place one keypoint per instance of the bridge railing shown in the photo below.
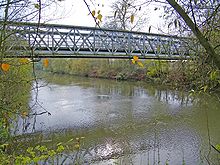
(43, 40)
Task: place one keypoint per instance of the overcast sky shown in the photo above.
(75, 12)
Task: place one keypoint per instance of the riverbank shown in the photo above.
(176, 74)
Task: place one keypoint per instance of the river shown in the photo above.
(127, 122)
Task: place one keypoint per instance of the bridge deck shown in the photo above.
(64, 41)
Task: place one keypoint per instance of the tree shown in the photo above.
(194, 27)
(16, 75)
(200, 17)
(126, 16)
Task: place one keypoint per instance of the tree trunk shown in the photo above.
(202, 40)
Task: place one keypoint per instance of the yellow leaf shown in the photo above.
(140, 64)
(133, 61)
(5, 67)
(99, 17)
(46, 62)
(217, 147)
(98, 12)
(24, 114)
(23, 60)
(135, 58)
(132, 18)
(77, 146)
(93, 13)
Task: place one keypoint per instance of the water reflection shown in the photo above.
(125, 122)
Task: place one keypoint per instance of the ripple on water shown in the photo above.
(140, 125)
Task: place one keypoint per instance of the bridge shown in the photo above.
(33, 40)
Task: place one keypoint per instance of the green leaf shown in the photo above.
(36, 159)
(51, 153)
(60, 148)
(213, 75)
(26, 160)
(30, 149)
(43, 157)
(42, 148)
(4, 145)
(217, 146)
(37, 147)
(37, 6)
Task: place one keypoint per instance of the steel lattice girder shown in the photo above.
(47, 40)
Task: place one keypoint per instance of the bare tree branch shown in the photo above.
(202, 40)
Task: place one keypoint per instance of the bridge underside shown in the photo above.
(85, 54)
(61, 41)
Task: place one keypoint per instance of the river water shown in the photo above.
(128, 122)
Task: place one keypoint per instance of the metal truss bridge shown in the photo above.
(34, 40)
